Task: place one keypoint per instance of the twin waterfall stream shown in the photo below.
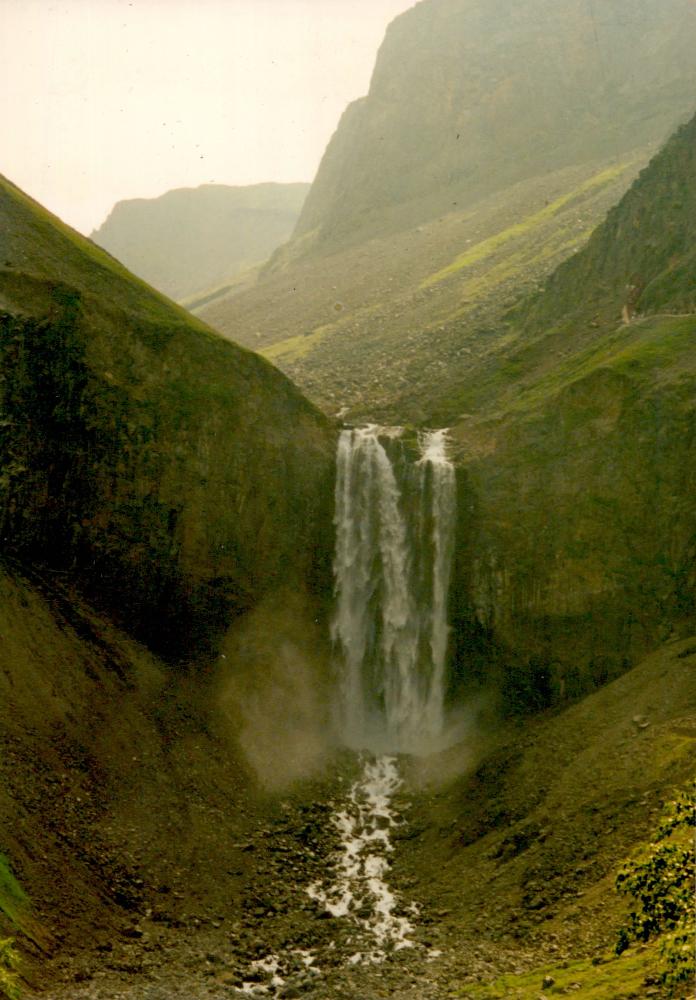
(395, 538)
(395, 526)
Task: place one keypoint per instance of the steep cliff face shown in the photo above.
(579, 452)
(642, 260)
(192, 240)
(469, 97)
(178, 478)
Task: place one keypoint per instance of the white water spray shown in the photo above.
(358, 889)
(395, 538)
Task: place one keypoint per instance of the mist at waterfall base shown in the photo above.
(395, 528)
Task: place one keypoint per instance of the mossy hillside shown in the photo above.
(178, 477)
(518, 856)
(580, 511)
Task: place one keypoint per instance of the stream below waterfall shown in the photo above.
(395, 523)
(320, 911)
(395, 526)
(372, 920)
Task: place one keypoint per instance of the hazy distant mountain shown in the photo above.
(195, 239)
(470, 96)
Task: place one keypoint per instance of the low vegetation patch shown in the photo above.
(488, 247)
(12, 902)
(9, 965)
(611, 979)
(12, 898)
(660, 881)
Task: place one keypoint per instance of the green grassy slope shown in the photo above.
(178, 476)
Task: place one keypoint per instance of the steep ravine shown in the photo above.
(165, 872)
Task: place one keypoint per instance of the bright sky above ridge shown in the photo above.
(113, 99)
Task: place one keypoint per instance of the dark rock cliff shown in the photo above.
(468, 97)
(179, 479)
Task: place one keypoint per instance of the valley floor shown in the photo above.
(509, 848)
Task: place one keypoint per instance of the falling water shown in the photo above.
(395, 537)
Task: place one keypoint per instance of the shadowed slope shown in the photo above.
(178, 477)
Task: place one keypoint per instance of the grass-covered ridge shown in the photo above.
(29, 244)
(13, 900)
(482, 251)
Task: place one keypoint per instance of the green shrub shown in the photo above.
(9, 963)
(661, 881)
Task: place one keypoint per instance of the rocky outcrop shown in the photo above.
(192, 240)
(178, 478)
(469, 97)
(642, 259)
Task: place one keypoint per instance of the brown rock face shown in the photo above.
(469, 96)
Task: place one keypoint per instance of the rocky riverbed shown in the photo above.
(324, 915)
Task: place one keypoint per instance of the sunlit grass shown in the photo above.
(12, 898)
(486, 248)
(297, 347)
(612, 979)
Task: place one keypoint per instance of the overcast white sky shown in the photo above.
(112, 99)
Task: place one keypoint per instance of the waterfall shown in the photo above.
(394, 543)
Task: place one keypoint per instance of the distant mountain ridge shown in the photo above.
(469, 97)
(191, 240)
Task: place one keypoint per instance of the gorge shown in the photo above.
(295, 704)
